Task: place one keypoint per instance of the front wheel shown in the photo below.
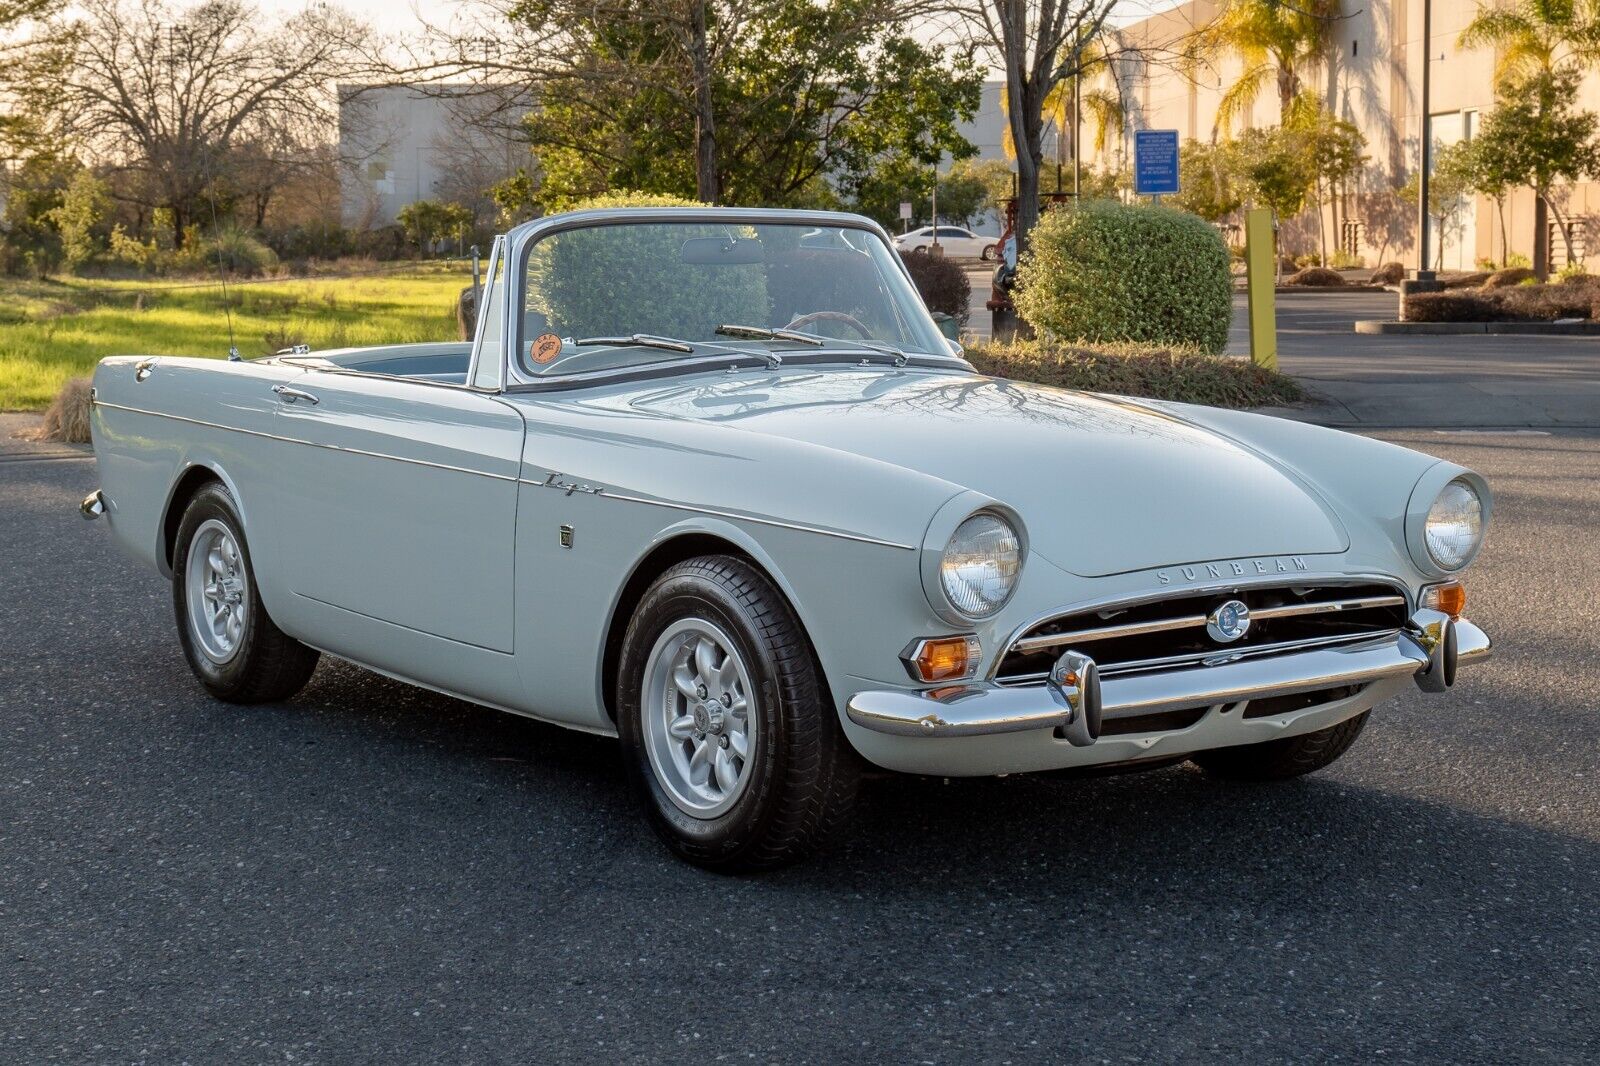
(1279, 760)
(989, 252)
(728, 736)
(232, 644)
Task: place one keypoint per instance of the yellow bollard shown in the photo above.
(1260, 253)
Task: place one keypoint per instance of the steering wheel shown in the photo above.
(832, 316)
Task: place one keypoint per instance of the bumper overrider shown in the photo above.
(1076, 700)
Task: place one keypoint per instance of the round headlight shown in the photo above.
(1454, 526)
(980, 565)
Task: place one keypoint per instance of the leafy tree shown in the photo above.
(1449, 188)
(517, 198)
(29, 239)
(1275, 42)
(732, 101)
(1274, 167)
(1334, 147)
(428, 221)
(82, 219)
(1538, 44)
(1534, 137)
(1206, 184)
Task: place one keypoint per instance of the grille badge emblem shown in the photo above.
(1228, 622)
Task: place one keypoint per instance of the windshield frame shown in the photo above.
(521, 239)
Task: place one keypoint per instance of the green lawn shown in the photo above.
(55, 329)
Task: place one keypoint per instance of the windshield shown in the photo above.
(620, 294)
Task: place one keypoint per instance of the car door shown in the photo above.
(403, 502)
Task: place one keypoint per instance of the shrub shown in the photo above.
(1572, 270)
(1389, 274)
(1465, 281)
(67, 417)
(609, 279)
(1509, 276)
(1106, 271)
(1181, 374)
(1343, 260)
(1515, 303)
(1315, 276)
(944, 285)
(1310, 259)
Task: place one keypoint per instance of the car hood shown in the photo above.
(1104, 485)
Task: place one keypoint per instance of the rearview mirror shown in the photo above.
(721, 251)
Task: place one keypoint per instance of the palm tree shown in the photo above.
(1276, 42)
(1537, 37)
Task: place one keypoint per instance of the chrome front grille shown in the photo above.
(1171, 633)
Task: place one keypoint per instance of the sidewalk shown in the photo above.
(13, 448)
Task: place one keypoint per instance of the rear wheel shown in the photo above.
(232, 644)
(728, 737)
(1279, 760)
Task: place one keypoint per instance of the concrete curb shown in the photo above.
(1556, 329)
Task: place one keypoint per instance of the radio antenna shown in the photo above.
(222, 273)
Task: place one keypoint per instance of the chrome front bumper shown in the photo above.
(1429, 649)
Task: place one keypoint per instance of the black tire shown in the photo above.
(802, 772)
(1279, 760)
(267, 664)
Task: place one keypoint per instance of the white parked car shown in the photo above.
(713, 484)
(956, 242)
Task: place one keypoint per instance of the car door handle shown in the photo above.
(291, 395)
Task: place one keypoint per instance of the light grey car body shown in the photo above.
(487, 536)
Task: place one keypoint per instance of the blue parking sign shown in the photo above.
(1155, 162)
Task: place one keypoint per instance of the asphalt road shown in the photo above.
(370, 872)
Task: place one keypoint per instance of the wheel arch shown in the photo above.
(196, 474)
(671, 547)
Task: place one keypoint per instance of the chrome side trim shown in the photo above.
(308, 443)
(606, 494)
(980, 709)
(1135, 629)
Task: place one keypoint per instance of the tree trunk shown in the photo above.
(1541, 236)
(1505, 241)
(705, 119)
(1322, 225)
(1025, 135)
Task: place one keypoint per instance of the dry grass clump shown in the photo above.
(1501, 279)
(1466, 281)
(1181, 374)
(67, 417)
(1389, 274)
(1516, 303)
(1315, 276)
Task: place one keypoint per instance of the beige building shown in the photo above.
(1374, 81)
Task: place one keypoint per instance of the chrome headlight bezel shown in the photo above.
(955, 514)
(1427, 494)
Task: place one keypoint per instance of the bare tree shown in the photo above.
(1037, 44)
(159, 95)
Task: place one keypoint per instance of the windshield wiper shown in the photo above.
(764, 334)
(900, 357)
(640, 340)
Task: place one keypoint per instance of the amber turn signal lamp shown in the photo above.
(1451, 598)
(943, 658)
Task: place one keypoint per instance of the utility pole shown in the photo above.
(1077, 134)
(1423, 273)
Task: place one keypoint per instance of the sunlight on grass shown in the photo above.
(53, 330)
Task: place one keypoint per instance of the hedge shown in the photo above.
(943, 284)
(1106, 272)
(1178, 374)
(1516, 303)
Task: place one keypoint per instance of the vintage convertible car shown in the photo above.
(712, 481)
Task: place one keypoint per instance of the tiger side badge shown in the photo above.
(546, 346)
